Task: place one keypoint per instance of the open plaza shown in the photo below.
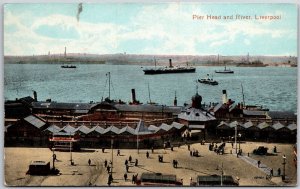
(243, 168)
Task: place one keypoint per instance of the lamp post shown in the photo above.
(284, 162)
(240, 135)
(112, 154)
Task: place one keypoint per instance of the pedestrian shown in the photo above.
(127, 168)
(108, 169)
(118, 153)
(173, 163)
(172, 148)
(105, 163)
(279, 171)
(136, 162)
(152, 149)
(275, 149)
(133, 179)
(125, 176)
(89, 162)
(189, 147)
(258, 163)
(147, 154)
(110, 177)
(191, 153)
(103, 149)
(126, 162)
(271, 172)
(176, 163)
(130, 158)
(109, 181)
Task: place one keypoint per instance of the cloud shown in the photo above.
(163, 29)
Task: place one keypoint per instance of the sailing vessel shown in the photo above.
(170, 69)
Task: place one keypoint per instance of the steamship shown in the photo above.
(170, 69)
(225, 71)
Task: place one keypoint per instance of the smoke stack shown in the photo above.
(133, 95)
(224, 97)
(175, 101)
(170, 63)
(35, 96)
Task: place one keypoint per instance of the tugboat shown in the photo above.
(170, 69)
(225, 71)
(208, 81)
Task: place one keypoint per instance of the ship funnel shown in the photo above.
(170, 63)
(224, 97)
(35, 96)
(133, 95)
(175, 100)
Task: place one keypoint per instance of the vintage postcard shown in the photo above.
(150, 94)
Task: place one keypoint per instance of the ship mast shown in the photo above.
(243, 95)
(149, 94)
(108, 73)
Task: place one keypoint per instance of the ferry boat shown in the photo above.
(170, 69)
(208, 81)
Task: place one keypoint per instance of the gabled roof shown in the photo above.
(53, 129)
(83, 129)
(236, 124)
(68, 129)
(193, 114)
(35, 121)
(97, 129)
(177, 125)
(165, 127)
(292, 127)
(219, 106)
(111, 130)
(223, 125)
(153, 128)
(127, 130)
(248, 124)
(263, 125)
(277, 126)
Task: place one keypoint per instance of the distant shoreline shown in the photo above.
(161, 60)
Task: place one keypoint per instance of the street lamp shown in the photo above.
(284, 162)
(240, 135)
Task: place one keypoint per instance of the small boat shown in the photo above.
(68, 66)
(226, 71)
(208, 81)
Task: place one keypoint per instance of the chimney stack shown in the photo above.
(170, 63)
(224, 97)
(35, 96)
(175, 100)
(133, 95)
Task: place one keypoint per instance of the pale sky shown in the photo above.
(149, 28)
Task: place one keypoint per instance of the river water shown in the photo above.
(273, 87)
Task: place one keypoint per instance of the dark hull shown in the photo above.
(208, 82)
(68, 66)
(225, 72)
(167, 71)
